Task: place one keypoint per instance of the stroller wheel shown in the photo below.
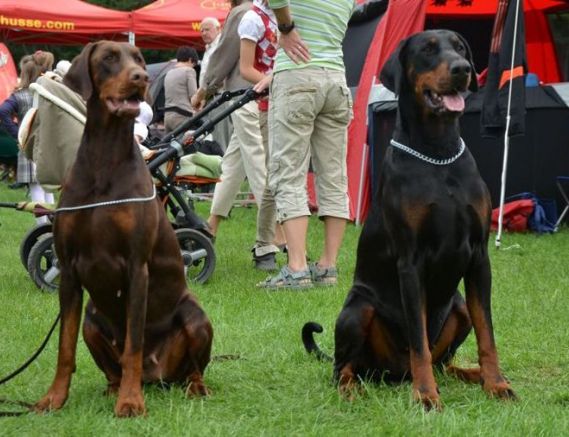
(30, 239)
(43, 266)
(198, 254)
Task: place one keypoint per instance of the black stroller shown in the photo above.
(174, 189)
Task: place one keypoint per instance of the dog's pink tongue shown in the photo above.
(123, 106)
(454, 102)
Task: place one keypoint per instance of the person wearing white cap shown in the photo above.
(62, 67)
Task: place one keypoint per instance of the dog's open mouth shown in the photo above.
(451, 102)
(129, 106)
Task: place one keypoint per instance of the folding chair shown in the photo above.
(562, 184)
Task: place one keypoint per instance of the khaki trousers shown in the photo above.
(309, 112)
(246, 156)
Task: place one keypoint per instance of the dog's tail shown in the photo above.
(310, 345)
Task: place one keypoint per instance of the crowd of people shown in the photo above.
(275, 139)
(292, 49)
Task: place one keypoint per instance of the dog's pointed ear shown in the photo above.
(473, 79)
(78, 78)
(392, 73)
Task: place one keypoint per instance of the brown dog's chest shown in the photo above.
(100, 243)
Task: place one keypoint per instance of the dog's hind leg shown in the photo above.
(103, 347)
(456, 328)
(363, 348)
(70, 303)
(199, 335)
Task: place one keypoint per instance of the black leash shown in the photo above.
(20, 370)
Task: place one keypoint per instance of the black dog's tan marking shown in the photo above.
(427, 230)
(141, 323)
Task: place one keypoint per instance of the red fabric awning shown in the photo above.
(60, 22)
(171, 23)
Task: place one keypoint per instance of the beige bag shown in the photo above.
(24, 130)
(55, 130)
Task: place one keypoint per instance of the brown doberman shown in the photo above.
(113, 238)
(427, 230)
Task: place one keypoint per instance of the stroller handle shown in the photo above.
(175, 148)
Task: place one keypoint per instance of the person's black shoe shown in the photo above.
(267, 262)
(17, 185)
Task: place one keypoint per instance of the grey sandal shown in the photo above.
(323, 276)
(287, 279)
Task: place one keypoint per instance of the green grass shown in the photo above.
(275, 389)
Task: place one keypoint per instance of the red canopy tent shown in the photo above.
(68, 22)
(171, 23)
(541, 57)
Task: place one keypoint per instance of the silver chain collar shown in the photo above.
(428, 159)
(109, 202)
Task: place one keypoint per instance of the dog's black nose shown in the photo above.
(139, 75)
(460, 68)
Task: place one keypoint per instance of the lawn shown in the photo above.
(275, 389)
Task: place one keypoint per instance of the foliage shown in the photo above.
(275, 388)
(120, 5)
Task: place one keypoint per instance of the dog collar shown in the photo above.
(109, 202)
(428, 159)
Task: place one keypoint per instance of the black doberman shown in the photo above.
(427, 230)
(141, 323)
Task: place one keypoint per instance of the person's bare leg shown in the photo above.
(334, 229)
(295, 231)
(213, 223)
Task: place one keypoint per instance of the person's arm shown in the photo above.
(247, 61)
(191, 84)
(7, 110)
(247, 69)
(291, 42)
(222, 60)
(198, 99)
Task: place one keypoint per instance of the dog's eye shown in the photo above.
(429, 49)
(110, 57)
(460, 47)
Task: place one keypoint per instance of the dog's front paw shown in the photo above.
(130, 406)
(351, 390)
(500, 389)
(197, 388)
(196, 385)
(428, 397)
(51, 401)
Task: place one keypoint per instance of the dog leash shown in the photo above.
(428, 159)
(20, 370)
(109, 202)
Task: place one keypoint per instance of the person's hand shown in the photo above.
(198, 100)
(263, 84)
(295, 48)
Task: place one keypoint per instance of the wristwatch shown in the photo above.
(286, 28)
